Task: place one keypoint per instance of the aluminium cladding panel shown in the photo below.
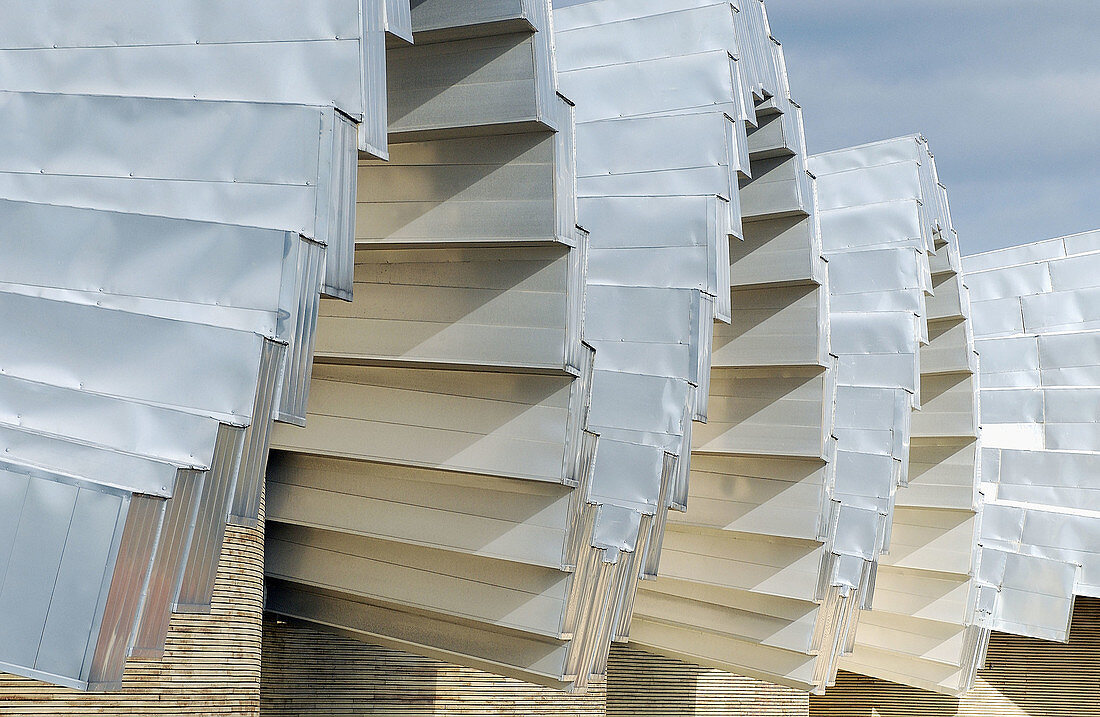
(785, 325)
(462, 18)
(170, 556)
(167, 434)
(674, 242)
(483, 84)
(686, 48)
(504, 424)
(768, 411)
(670, 155)
(499, 594)
(929, 642)
(649, 331)
(519, 521)
(331, 53)
(399, 19)
(1033, 252)
(703, 82)
(764, 57)
(1035, 477)
(76, 559)
(613, 32)
(264, 281)
(1034, 595)
(507, 188)
(275, 166)
(194, 367)
(511, 653)
(477, 306)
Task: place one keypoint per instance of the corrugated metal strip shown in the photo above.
(197, 582)
(180, 517)
(246, 493)
(139, 539)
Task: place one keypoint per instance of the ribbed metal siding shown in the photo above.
(245, 508)
(338, 207)
(135, 553)
(310, 267)
(196, 582)
(173, 550)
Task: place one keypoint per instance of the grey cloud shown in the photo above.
(1007, 92)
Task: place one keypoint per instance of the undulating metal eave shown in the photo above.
(244, 52)
(1036, 333)
(95, 369)
(436, 499)
(650, 166)
(186, 49)
(166, 302)
(737, 587)
(308, 187)
(905, 333)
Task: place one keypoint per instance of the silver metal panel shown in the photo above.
(114, 348)
(265, 281)
(433, 19)
(469, 83)
(75, 553)
(900, 325)
(130, 427)
(206, 50)
(298, 188)
(140, 362)
(195, 585)
(1039, 385)
(399, 19)
(477, 306)
(172, 551)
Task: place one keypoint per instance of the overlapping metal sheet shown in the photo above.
(657, 185)
(480, 453)
(907, 415)
(739, 578)
(168, 209)
(1036, 322)
(435, 500)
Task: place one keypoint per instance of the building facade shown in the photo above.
(470, 357)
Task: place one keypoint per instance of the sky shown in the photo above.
(1007, 92)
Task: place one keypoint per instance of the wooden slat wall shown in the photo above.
(1023, 677)
(311, 673)
(211, 665)
(647, 685)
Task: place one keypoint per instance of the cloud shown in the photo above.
(1006, 91)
